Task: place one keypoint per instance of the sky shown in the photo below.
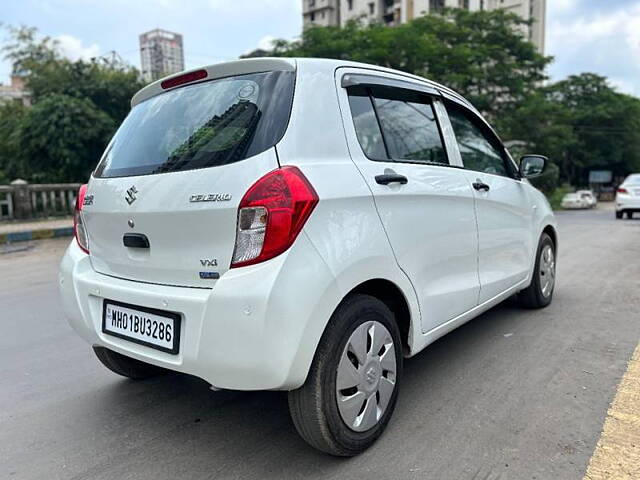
(600, 36)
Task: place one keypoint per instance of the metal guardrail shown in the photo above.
(24, 201)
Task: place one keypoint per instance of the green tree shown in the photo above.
(110, 88)
(11, 167)
(62, 138)
(76, 109)
(582, 124)
(480, 54)
(605, 123)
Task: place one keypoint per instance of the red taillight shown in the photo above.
(271, 215)
(182, 79)
(79, 230)
(622, 190)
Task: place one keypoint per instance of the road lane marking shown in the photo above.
(617, 454)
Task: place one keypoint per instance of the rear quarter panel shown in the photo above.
(345, 227)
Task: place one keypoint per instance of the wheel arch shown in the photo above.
(392, 296)
(551, 231)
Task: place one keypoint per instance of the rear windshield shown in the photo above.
(204, 125)
(633, 180)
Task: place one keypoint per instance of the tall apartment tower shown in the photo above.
(394, 12)
(161, 54)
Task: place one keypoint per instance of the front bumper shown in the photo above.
(257, 328)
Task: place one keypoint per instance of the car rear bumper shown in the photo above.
(256, 329)
(627, 203)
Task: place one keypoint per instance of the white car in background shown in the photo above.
(628, 196)
(573, 201)
(588, 197)
(301, 225)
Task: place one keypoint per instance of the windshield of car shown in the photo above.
(203, 125)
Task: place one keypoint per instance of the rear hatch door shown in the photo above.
(166, 193)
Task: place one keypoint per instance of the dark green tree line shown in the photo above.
(76, 107)
(581, 123)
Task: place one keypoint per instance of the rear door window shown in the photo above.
(203, 125)
(366, 124)
(409, 126)
(395, 124)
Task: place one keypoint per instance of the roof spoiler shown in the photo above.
(220, 70)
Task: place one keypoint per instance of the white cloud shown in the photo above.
(253, 8)
(72, 48)
(564, 5)
(266, 42)
(606, 42)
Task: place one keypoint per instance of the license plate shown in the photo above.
(147, 326)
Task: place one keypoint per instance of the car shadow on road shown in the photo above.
(174, 423)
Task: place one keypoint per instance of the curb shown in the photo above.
(36, 234)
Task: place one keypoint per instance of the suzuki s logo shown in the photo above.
(130, 197)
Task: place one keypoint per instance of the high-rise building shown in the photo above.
(161, 54)
(394, 12)
(321, 12)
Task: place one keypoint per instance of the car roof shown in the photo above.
(265, 64)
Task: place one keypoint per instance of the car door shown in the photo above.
(503, 209)
(425, 203)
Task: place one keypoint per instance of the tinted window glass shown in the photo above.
(410, 127)
(366, 124)
(478, 151)
(204, 125)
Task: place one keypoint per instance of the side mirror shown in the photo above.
(532, 165)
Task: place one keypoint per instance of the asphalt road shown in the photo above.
(513, 394)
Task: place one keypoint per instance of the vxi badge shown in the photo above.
(210, 197)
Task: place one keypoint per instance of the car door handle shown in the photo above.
(481, 186)
(388, 178)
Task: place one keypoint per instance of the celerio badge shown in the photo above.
(210, 197)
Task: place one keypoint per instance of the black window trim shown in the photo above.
(486, 129)
(369, 82)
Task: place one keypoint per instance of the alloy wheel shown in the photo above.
(547, 270)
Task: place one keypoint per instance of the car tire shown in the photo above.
(126, 366)
(619, 215)
(539, 294)
(314, 407)
(629, 215)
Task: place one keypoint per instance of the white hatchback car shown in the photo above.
(575, 201)
(588, 197)
(628, 196)
(301, 225)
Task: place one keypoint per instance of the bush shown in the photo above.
(555, 197)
